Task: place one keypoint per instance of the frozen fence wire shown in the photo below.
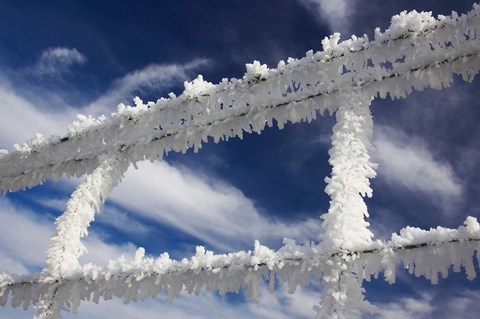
(146, 277)
(417, 51)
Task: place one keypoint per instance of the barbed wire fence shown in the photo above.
(416, 52)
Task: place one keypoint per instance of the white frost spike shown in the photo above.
(84, 122)
(472, 227)
(435, 251)
(31, 145)
(263, 255)
(198, 87)
(330, 43)
(255, 70)
(412, 21)
(138, 101)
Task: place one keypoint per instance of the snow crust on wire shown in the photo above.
(415, 52)
(72, 225)
(65, 246)
(147, 277)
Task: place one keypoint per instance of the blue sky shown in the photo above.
(58, 59)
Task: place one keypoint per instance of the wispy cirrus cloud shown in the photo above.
(203, 207)
(108, 215)
(406, 308)
(465, 304)
(23, 117)
(408, 162)
(154, 77)
(22, 251)
(336, 14)
(442, 304)
(55, 62)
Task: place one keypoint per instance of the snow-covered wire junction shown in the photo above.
(416, 52)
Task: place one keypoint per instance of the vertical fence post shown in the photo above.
(344, 227)
(66, 247)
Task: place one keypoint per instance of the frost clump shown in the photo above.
(31, 145)
(329, 43)
(198, 87)
(410, 21)
(83, 123)
(472, 227)
(256, 71)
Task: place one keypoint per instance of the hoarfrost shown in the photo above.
(417, 51)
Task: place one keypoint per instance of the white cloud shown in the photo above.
(282, 305)
(152, 77)
(203, 207)
(24, 249)
(122, 221)
(108, 215)
(337, 14)
(56, 61)
(407, 308)
(21, 118)
(465, 305)
(207, 209)
(25, 236)
(100, 252)
(408, 162)
(439, 305)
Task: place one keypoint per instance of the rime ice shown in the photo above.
(417, 51)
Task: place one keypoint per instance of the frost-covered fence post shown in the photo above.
(66, 247)
(344, 226)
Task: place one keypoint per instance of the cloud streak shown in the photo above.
(208, 209)
(24, 251)
(408, 162)
(336, 14)
(406, 308)
(153, 77)
(55, 62)
(22, 118)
